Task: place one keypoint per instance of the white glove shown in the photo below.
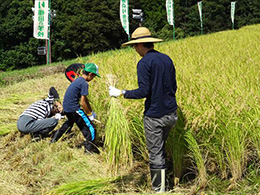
(92, 116)
(114, 92)
(58, 116)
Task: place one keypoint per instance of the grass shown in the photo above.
(218, 127)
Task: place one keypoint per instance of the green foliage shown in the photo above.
(247, 13)
(85, 27)
(16, 23)
(155, 14)
(17, 49)
(20, 56)
(217, 11)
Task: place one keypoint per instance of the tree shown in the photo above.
(84, 27)
(247, 12)
(15, 37)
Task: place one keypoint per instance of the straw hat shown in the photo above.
(141, 35)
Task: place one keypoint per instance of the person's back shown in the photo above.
(161, 99)
(38, 110)
(72, 95)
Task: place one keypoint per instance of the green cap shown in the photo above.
(91, 67)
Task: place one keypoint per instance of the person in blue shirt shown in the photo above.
(78, 110)
(156, 83)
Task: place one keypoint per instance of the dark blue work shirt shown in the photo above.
(73, 94)
(156, 83)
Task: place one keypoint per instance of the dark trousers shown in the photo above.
(156, 133)
(85, 125)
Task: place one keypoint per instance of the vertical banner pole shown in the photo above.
(47, 54)
(49, 34)
(46, 49)
(173, 20)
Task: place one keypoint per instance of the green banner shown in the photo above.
(170, 11)
(41, 19)
(170, 14)
(201, 17)
(124, 15)
(233, 7)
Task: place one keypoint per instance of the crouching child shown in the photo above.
(41, 117)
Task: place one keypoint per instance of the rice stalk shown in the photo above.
(138, 138)
(117, 135)
(198, 159)
(176, 146)
(96, 186)
(235, 150)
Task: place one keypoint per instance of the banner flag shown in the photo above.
(124, 15)
(201, 18)
(41, 17)
(233, 6)
(170, 12)
(200, 11)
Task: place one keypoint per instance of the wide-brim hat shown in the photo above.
(142, 35)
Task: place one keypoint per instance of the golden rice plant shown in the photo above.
(117, 135)
(138, 137)
(176, 147)
(198, 159)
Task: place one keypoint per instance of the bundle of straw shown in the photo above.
(117, 134)
(96, 186)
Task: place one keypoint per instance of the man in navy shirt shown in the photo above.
(156, 83)
(75, 98)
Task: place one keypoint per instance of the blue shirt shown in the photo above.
(77, 88)
(156, 83)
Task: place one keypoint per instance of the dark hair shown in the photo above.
(148, 45)
(85, 72)
(53, 93)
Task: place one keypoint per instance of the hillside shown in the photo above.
(214, 147)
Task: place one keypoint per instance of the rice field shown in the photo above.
(213, 148)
